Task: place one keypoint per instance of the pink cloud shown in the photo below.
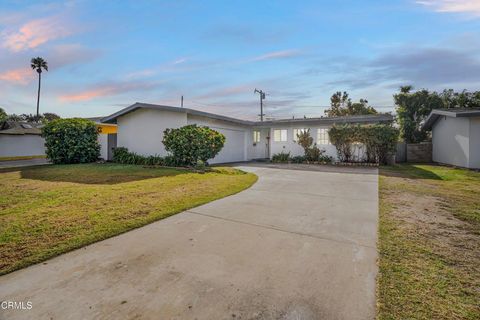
(278, 55)
(17, 76)
(471, 7)
(106, 90)
(35, 33)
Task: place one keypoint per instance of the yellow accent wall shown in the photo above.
(106, 129)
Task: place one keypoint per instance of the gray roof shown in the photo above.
(113, 117)
(454, 113)
(20, 128)
(322, 120)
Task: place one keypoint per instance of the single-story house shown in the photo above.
(19, 138)
(140, 129)
(107, 137)
(455, 136)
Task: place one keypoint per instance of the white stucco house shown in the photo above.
(140, 129)
(455, 136)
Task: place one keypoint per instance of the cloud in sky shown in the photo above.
(426, 67)
(20, 76)
(107, 90)
(283, 54)
(470, 7)
(34, 33)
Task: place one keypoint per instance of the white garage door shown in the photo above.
(234, 147)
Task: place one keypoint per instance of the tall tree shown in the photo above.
(39, 64)
(341, 105)
(412, 109)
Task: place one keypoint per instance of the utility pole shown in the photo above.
(182, 102)
(262, 97)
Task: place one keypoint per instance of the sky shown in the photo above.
(106, 55)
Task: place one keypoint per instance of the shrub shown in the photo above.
(191, 144)
(377, 140)
(298, 159)
(281, 157)
(311, 151)
(71, 141)
(122, 155)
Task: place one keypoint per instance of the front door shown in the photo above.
(261, 144)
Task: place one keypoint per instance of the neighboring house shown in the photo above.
(107, 137)
(455, 136)
(19, 138)
(141, 126)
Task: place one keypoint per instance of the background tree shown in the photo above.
(341, 105)
(49, 116)
(412, 109)
(38, 64)
(3, 115)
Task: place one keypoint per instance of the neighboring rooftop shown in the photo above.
(20, 128)
(453, 112)
(326, 120)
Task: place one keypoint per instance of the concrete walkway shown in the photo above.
(23, 163)
(296, 245)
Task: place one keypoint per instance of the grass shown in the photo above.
(429, 243)
(22, 158)
(49, 210)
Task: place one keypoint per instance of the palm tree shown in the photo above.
(38, 64)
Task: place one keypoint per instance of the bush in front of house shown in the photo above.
(192, 145)
(71, 141)
(123, 156)
(312, 153)
(379, 141)
(281, 157)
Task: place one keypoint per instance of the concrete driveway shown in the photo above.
(297, 245)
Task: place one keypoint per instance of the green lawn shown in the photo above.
(429, 243)
(49, 210)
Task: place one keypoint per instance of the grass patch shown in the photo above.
(22, 158)
(429, 243)
(49, 210)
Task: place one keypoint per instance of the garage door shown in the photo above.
(234, 147)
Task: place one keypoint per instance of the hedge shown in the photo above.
(378, 141)
(71, 141)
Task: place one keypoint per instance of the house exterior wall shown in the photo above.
(21, 145)
(293, 147)
(450, 138)
(474, 162)
(141, 131)
(103, 141)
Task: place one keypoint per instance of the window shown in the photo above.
(322, 136)
(280, 135)
(256, 136)
(298, 131)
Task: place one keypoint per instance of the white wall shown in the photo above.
(21, 145)
(293, 147)
(103, 141)
(236, 137)
(474, 161)
(450, 138)
(141, 131)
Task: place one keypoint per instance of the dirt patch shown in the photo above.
(431, 217)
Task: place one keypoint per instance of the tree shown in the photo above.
(3, 115)
(49, 116)
(311, 151)
(341, 105)
(38, 64)
(412, 109)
